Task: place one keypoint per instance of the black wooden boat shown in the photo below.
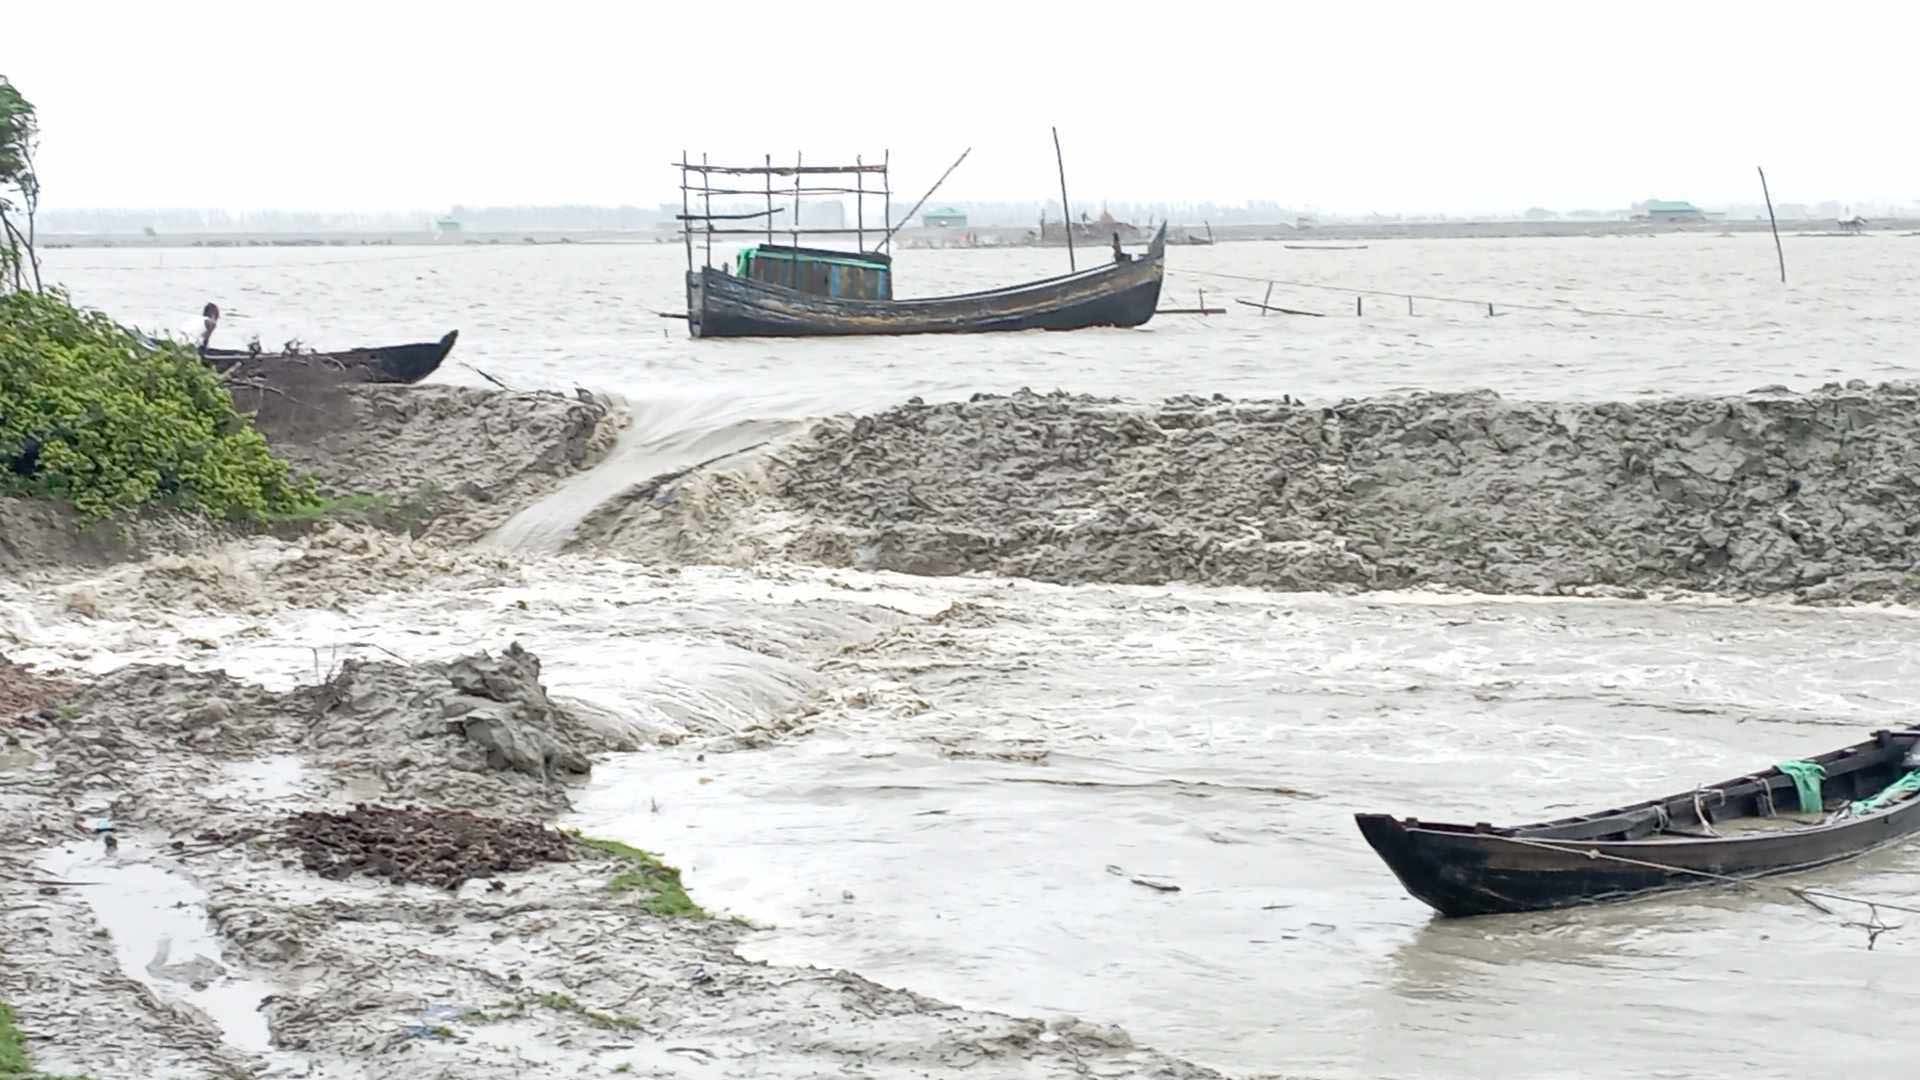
(1123, 292)
(373, 364)
(1701, 837)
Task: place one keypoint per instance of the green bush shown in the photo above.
(92, 414)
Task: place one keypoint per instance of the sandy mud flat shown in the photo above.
(190, 892)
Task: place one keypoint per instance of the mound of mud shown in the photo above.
(1812, 496)
(40, 533)
(23, 693)
(445, 848)
(440, 731)
(476, 732)
(450, 462)
(445, 462)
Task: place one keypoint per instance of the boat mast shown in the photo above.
(706, 204)
(686, 212)
(1065, 210)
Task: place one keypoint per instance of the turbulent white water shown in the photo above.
(949, 820)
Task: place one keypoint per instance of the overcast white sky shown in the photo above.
(1352, 106)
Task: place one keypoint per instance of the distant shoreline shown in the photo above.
(982, 236)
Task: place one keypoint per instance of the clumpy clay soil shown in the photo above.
(202, 878)
(1806, 496)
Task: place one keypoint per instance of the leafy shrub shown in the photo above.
(94, 415)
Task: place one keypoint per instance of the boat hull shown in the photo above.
(1465, 870)
(382, 364)
(1118, 294)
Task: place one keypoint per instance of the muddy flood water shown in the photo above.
(988, 765)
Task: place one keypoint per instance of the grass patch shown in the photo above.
(646, 872)
(14, 1063)
(606, 1021)
(13, 1045)
(410, 513)
(552, 999)
(335, 507)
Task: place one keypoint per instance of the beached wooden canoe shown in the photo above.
(1840, 805)
(373, 364)
(1123, 292)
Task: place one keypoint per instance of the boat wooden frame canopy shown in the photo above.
(787, 290)
(1865, 797)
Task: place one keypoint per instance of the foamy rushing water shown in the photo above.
(947, 817)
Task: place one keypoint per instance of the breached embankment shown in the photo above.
(449, 463)
(1810, 496)
(189, 892)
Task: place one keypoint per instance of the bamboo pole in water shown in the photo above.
(1777, 249)
(686, 211)
(1065, 210)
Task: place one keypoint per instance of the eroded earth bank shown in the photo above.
(1811, 496)
(362, 877)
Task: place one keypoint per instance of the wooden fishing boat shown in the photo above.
(1120, 293)
(1794, 816)
(786, 290)
(374, 364)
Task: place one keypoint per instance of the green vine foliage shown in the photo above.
(92, 414)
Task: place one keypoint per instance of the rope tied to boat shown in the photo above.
(1874, 925)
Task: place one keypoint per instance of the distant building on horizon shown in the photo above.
(944, 218)
(1671, 212)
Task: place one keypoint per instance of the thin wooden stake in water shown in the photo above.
(1777, 249)
(1065, 210)
(706, 204)
(1357, 309)
(686, 210)
(1409, 305)
(1268, 300)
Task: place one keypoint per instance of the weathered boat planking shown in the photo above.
(1120, 293)
(376, 364)
(1651, 846)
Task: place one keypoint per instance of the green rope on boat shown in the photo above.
(1806, 779)
(1892, 793)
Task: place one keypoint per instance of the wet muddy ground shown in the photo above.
(975, 794)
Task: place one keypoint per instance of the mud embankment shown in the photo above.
(192, 891)
(1810, 496)
(446, 462)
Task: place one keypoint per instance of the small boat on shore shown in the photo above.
(369, 364)
(1797, 815)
